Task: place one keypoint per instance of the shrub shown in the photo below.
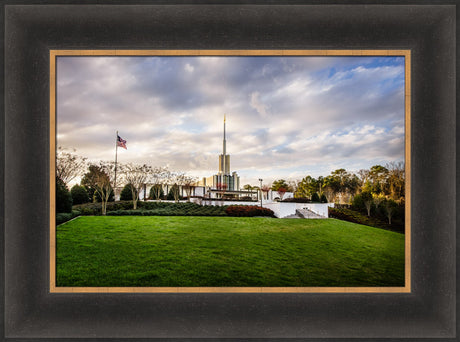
(364, 202)
(358, 202)
(79, 194)
(315, 198)
(95, 208)
(120, 205)
(90, 211)
(323, 198)
(248, 211)
(297, 200)
(63, 198)
(125, 213)
(64, 217)
(153, 205)
(361, 218)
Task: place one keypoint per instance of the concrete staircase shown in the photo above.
(305, 214)
(293, 216)
(308, 214)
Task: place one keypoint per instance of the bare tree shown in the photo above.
(265, 189)
(176, 178)
(69, 165)
(368, 201)
(390, 208)
(136, 176)
(292, 186)
(345, 197)
(281, 191)
(329, 193)
(363, 176)
(158, 177)
(368, 204)
(396, 179)
(188, 183)
(103, 177)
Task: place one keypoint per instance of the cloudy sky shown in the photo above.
(287, 117)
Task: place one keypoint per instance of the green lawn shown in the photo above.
(225, 251)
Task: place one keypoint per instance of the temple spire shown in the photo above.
(224, 142)
(224, 158)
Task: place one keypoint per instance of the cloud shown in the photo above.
(285, 115)
(258, 105)
(189, 68)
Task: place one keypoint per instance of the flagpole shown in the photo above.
(115, 181)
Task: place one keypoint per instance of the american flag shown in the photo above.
(121, 142)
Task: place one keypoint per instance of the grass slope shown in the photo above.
(226, 251)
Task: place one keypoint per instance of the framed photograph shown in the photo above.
(173, 122)
(189, 243)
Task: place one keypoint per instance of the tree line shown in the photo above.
(341, 186)
(98, 180)
(379, 190)
(367, 188)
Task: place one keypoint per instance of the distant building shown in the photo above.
(224, 182)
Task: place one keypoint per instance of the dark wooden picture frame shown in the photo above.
(32, 312)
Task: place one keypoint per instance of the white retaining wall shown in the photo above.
(281, 209)
(274, 194)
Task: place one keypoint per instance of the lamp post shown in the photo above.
(260, 180)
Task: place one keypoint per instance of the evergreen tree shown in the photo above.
(170, 196)
(63, 197)
(79, 194)
(281, 183)
(126, 194)
(315, 198)
(156, 192)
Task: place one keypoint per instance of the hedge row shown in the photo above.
(357, 217)
(95, 208)
(172, 209)
(248, 211)
(166, 212)
(158, 205)
(64, 217)
(126, 205)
